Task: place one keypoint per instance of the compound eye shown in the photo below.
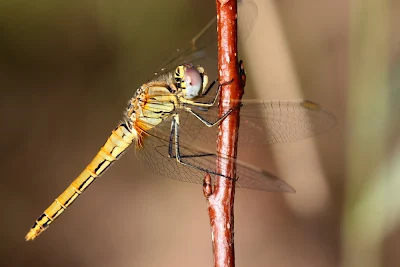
(193, 82)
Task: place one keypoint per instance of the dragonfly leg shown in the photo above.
(171, 139)
(210, 86)
(171, 142)
(206, 104)
(179, 157)
(206, 122)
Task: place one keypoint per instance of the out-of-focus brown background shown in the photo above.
(67, 70)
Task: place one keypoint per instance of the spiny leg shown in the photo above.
(206, 122)
(209, 87)
(179, 157)
(206, 104)
(206, 92)
(203, 120)
(171, 138)
(171, 141)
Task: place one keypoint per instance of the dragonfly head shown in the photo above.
(190, 81)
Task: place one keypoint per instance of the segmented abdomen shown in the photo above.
(116, 144)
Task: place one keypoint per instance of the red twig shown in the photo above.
(221, 201)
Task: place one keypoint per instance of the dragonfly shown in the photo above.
(177, 109)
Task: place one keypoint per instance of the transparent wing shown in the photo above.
(154, 154)
(202, 49)
(247, 16)
(283, 121)
(261, 123)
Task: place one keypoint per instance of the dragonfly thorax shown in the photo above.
(152, 103)
(159, 99)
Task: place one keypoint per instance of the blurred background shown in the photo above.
(68, 68)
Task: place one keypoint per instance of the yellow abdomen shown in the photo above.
(116, 144)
